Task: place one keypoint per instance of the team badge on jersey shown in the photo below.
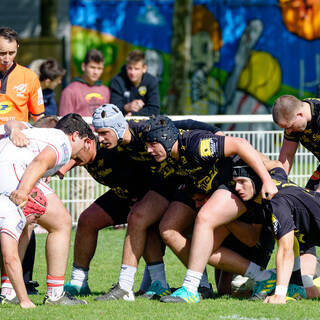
(21, 89)
(142, 90)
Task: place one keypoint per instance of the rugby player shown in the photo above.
(300, 119)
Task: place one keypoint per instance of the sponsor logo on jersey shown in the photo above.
(94, 95)
(5, 107)
(275, 224)
(20, 226)
(142, 90)
(66, 156)
(20, 89)
(205, 148)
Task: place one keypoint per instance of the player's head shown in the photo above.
(9, 43)
(92, 66)
(79, 134)
(50, 74)
(160, 134)
(247, 183)
(136, 66)
(287, 114)
(73, 122)
(110, 125)
(46, 122)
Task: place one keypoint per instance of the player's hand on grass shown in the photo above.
(312, 292)
(275, 299)
(27, 304)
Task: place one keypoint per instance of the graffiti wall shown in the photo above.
(245, 53)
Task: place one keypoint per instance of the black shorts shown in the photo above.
(166, 187)
(305, 249)
(117, 208)
(256, 254)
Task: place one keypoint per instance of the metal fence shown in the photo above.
(78, 190)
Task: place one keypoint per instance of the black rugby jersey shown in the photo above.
(137, 149)
(310, 137)
(126, 177)
(201, 160)
(293, 208)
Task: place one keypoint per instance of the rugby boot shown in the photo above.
(116, 293)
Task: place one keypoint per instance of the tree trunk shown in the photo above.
(180, 56)
(48, 18)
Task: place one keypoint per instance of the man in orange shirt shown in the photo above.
(20, 90)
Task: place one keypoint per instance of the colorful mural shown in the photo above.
(244, 53)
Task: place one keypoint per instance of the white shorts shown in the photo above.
(11, 174)
(12, 219)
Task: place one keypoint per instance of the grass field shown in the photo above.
(104, 272)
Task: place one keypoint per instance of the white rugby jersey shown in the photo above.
(39, 139)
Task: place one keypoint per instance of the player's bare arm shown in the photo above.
(12, 264)
(284, 264)
(45, 160)
(287, 152)
(246, 152)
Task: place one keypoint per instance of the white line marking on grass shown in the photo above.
(238, 317)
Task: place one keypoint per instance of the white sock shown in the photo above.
(157, 273)
(204, 282)
(146, 280)
(55, 287)
(79, 276)
(192, 280)
(126, 277)
(256, 273)
(7, 288)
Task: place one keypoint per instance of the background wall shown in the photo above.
(245, 53)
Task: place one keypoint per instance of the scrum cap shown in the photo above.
(109, 116)
(248, 172)
(161, 129)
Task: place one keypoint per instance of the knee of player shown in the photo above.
(138, 218)
(167, 233)
(203, 218)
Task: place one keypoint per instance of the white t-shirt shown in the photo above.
(39, 138)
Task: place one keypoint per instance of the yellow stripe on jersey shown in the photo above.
(296, 247)
(205, 150)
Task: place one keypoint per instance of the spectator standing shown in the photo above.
(83, 95)
(51, 74)
(135, 91)
(20, 91)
